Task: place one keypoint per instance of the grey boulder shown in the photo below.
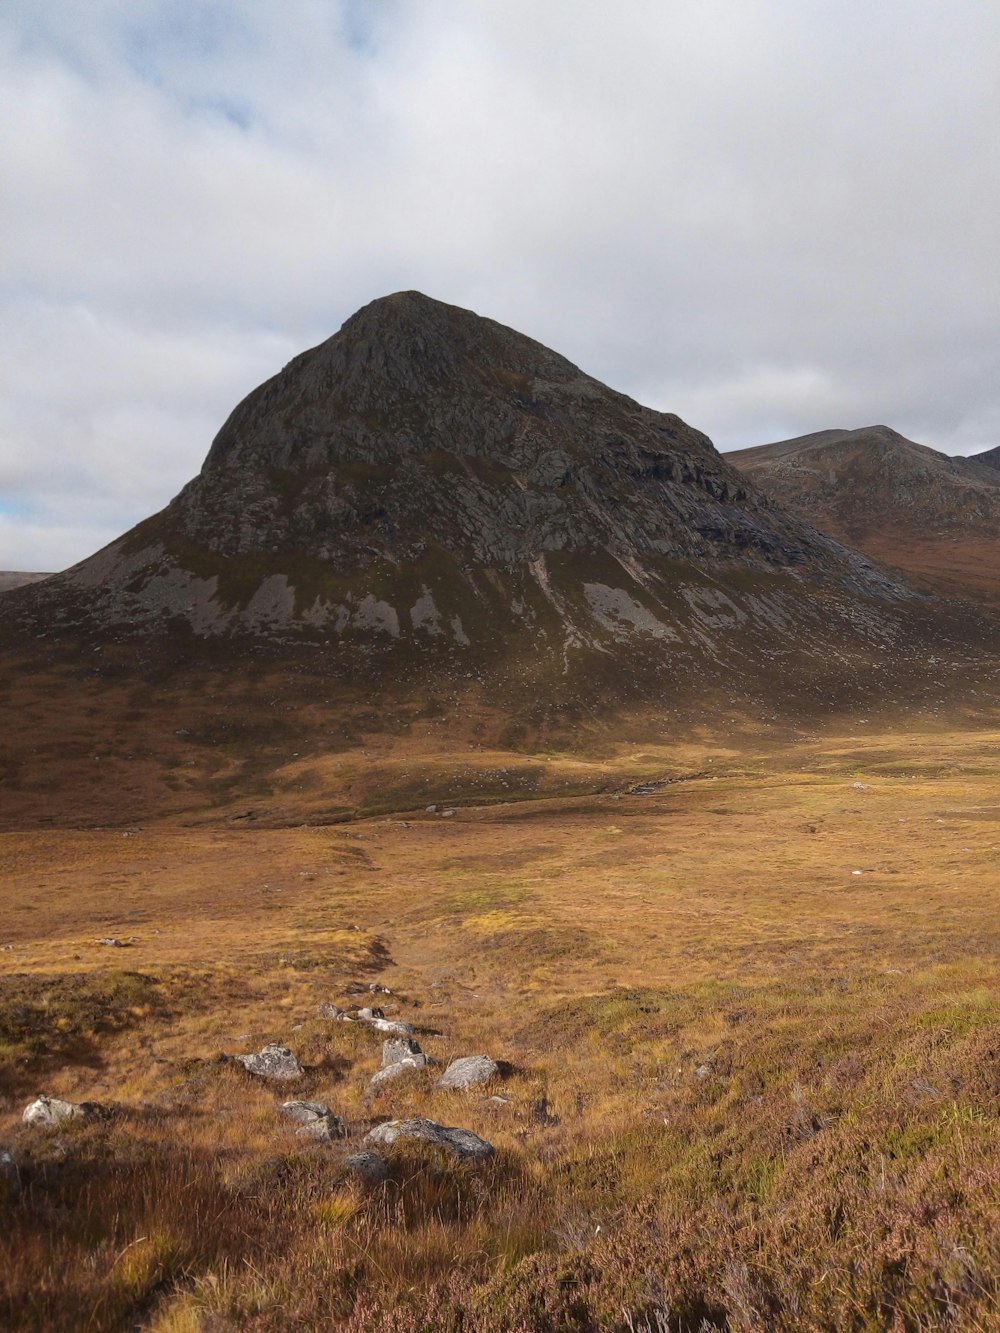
(376, 1019)
(369, 1168)
(397, 1049)
(469, 1071)
(47, 1111)
(273, 1061)
(316, 1121)
(462, 1143)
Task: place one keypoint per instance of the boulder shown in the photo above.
(462, 1143)
(376, 1019)
(331, 1011)
(397, 1049)
(468, 1071)
(317, 1121)
(369, 1168)
(392, 1072)
(392, 1027)
(276, 1062)
(47, 1111)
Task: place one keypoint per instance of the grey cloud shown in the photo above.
(768, 218)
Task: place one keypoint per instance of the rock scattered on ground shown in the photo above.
(10, 1181)
(317, 1121)
(468, 1071)
(400, 1056)
(113, 943)
(331, 1011)
(462, 1143)
(397, 1049)
(273, 1061)
(376, 1019)
(54, 1111)
(368, 1167)
(392, 1072)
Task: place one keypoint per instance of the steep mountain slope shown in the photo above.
(426, 474)
(934, 517)
(988, 458)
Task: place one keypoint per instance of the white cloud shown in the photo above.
(769, 218)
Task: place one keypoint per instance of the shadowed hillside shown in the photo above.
(934, 517)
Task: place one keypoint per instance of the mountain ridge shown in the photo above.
(933, 517)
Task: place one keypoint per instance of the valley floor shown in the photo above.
(752, 1020)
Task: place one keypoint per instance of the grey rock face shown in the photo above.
(316, 1119)
(469, 1071)
(504, 447)
(273, 1062)
(386, 471)
(47, 1111)
(461, 1142)
(369, 1167)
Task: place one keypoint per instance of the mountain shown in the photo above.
(432, 526)
(428, 475)
(989, 457)
(931, 516)
(14, 578)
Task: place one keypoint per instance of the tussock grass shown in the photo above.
(747, 1089)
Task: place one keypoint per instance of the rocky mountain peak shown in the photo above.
(404, 375)
(430, 478)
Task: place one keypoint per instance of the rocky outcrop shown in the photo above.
(400, 1056)
(462, 1143)
(468, 1072)
(46, 1112)
(369, 1168)
(315, 1120)
(272, 1062)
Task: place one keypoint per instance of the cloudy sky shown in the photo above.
(769, 216)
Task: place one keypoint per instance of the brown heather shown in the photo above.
(751, 1089)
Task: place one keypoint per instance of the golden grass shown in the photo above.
(751, 1089)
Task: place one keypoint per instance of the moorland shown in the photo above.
(749, 1016)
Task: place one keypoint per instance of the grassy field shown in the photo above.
(752, 1019)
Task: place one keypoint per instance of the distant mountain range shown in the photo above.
(934, 517)
(12, 578)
